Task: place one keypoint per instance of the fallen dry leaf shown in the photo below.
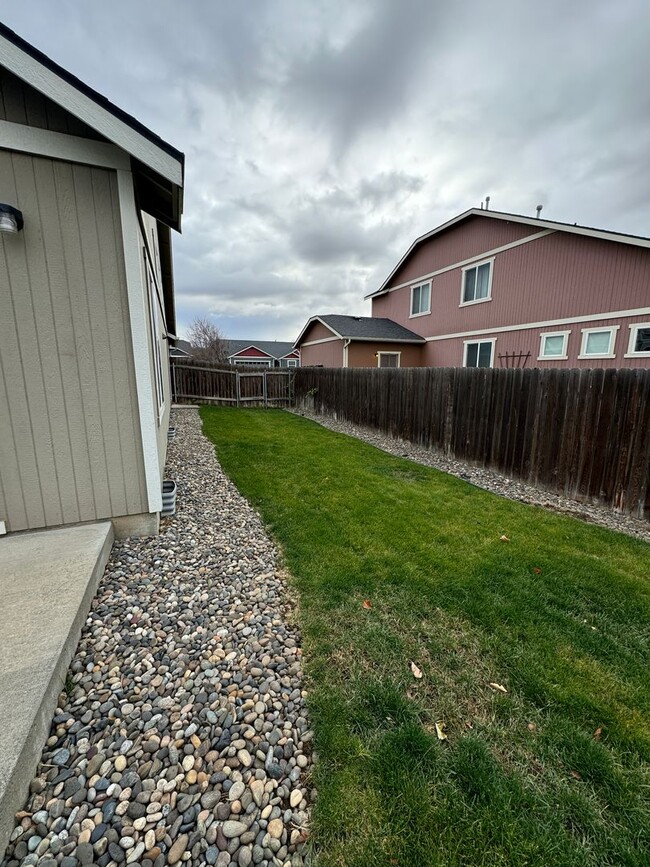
(366, 603)
(598, 733)
(498, 687)
(440, 731)
(416, 671)
(576, 775)
(504, 539)
(468, 725)
(531, 727)
(537, 570)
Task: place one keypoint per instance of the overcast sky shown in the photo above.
(321, 138)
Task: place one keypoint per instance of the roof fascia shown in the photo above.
(322, 322)
(44, 79)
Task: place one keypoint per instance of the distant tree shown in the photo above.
(207, 342)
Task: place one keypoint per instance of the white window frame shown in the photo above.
(472, 267)
(426, 312)
(399, 359)
(613, 329)
(289, 362)
(542, 343)
(634, 329)
(154, 325)
(479, 340)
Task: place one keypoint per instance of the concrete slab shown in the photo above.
(47, 582)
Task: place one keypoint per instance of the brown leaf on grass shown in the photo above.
(366, 603)
(576, 775)
(531, 727)
(497, 687)
(598, 733)
(537, 570)
(416, 671)
(468, 725)
(504, 538)
(441, 734)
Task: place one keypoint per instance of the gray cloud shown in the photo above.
(322, 138)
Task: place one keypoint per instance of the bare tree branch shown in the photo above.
(207, 342)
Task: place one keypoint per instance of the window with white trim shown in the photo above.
(388, 359)
(477, 283)
(553, 345)
(421, 299)
(154, 323)
(289, 362)
(479, 353)
(639, 340)
(598, 342)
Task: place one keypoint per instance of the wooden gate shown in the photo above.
(228, 385)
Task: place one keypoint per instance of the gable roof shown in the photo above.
(272, 348)
(158, 166)
(364, 328)
(574, 228)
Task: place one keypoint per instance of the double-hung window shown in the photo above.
(421, 299)
(479, 353)
(477, 283)
(639, 345)
(598, 342)
(553, 346)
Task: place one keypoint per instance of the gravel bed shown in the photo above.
(490, 480)
(182, 737)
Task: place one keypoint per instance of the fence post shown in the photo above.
(238, 381)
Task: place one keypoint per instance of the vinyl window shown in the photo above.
(421, 299)
(639, 341)
(479, 353)
(553, 345)
(598, 342)
(477, 283)
(388, 359)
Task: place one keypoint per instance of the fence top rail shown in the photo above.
(197, 367)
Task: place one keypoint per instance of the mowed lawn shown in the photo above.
(552, 771)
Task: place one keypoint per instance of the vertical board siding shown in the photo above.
(70, 445)
(582, 433)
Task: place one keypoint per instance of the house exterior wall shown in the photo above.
(70, 441)
(252, 352)
(473, 237)
(20, 103)
(361, 354)
(542, 283)
(328, 354)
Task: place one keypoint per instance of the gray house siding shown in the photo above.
(70, 443)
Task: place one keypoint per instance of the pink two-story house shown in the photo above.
(492, 289)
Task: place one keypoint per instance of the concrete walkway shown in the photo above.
(47, 582)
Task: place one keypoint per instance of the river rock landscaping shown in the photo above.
(182, 735)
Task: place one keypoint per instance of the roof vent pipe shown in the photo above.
(539, 210)
(487, 203)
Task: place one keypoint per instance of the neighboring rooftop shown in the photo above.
(364, 328)
(272, 348)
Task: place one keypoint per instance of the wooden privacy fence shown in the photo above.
(229, 385)
(583, 433)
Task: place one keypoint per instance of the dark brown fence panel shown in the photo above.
(582, 433)
(231, 386)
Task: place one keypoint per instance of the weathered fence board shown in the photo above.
(231, 386)
(583, 433)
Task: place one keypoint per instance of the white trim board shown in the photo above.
(61, 146)
(138, 319)
(322, 340)
(485, 255)
(86, 109)
(617, 314)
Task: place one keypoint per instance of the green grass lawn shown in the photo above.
(555, 770)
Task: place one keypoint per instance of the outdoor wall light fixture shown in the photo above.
(11, 219)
